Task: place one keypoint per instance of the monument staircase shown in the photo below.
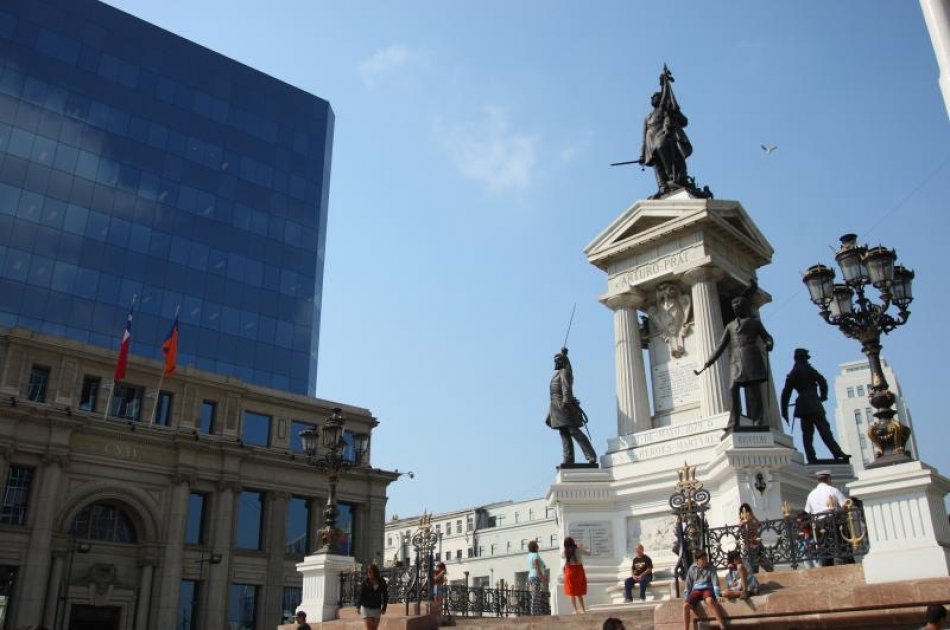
(829, 597)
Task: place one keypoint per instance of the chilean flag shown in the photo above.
(170, 348)
(123, 361)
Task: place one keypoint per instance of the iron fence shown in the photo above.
(401, 585)
(404, 586)
(467, 601)
(803, 539)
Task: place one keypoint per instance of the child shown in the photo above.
(739, 579)
(702, 583)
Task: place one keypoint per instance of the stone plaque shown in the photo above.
(595, 535)
(676, 262)
(674, 384)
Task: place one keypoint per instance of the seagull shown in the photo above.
(768, 148)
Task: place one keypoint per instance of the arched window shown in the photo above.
(103, 521)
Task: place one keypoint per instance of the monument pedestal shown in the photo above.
(907, 522)
(321, 584)
(680, 260)
(613, 509)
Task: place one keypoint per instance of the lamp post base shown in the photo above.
(906, 522)
(321, 584)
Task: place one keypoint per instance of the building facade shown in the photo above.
(483, 545)
(139, 165)
(112, 522)
(854, 414)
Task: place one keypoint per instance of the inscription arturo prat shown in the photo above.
(649, 270)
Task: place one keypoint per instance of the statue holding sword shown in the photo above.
(665, 145)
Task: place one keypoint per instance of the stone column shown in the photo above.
(707, 316)
(53, 592)
(633, 406)
(145, 596)
(35, 580)
(169, 575)
(771, 414)
(937, 17)
(6, 454)
(276, 547)
(215, 598)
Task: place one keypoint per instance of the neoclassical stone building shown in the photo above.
(196, 520)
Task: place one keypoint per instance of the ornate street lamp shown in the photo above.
(325, 450)
(848, 307)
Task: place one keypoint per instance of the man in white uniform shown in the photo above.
(821, 504)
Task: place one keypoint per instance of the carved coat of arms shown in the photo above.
(671, 315)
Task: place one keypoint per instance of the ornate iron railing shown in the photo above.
(466, 601)
(400, 585)
(403, 587)
(836, 536)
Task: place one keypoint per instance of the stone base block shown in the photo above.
(321, 584)
(907, 522)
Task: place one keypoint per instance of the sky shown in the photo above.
(471, 168)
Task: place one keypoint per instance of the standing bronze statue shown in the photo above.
(665, 145)
(565, 413)
(812, 391)
(747, 359)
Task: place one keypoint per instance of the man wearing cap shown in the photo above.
(812, 391)
(302, 620)
(821, 503)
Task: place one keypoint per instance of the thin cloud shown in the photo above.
(576, 148)
(384, 61)
(488, 151)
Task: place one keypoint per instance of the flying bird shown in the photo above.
(768, 148)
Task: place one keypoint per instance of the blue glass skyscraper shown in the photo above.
(137, 163)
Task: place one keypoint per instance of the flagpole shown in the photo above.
(161, 380)
(115, 380)
(105, 414)
(158, 394)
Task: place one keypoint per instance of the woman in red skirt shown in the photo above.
(575, 580)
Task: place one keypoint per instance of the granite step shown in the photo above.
(633, 617)
(834, 598)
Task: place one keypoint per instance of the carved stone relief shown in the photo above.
(658, 534)
(672, 317)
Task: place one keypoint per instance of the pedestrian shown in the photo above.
(537, 577)
(821, 503)
(641, 572)
(301, 619)
(438, 587)
(740, 582)
(936, 617)
(373, 598)
(612, 623)
(702, 584)
(806, 541)
(750, 530)
(575, 579)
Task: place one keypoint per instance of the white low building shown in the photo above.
(484, 545)
(854, 413)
